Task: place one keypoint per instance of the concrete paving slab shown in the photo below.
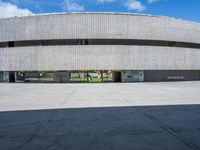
(15, 118)
(50, 96)
(175, 118)
(12, 136)
(155, 141)
(10, 143)
(100, 116)
(99, 124)
(192, 135)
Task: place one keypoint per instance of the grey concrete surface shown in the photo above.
(98, 26)
(138, 116)
(99, 57)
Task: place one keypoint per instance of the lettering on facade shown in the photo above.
(175, 77)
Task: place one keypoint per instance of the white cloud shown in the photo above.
(70, 5)
(10, 10)
(135, 5)
(103, 1)
(152, 1)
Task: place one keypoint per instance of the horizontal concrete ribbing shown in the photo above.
(98, 26)
(99, 57)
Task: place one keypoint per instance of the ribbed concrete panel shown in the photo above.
(5, 59)
(99, 57)
(30, 61)
(163, 28)
(98, 26)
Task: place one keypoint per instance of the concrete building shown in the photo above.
(135, 47)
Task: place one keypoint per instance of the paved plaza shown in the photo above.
(111, 116)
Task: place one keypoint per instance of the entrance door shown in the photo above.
(116, 76)
(11, 77)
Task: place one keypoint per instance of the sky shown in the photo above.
(184, 9)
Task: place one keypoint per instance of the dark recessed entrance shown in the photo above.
(11, 77)
(117, 76)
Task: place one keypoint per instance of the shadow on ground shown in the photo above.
(117, 128)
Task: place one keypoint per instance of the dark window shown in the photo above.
(11, 44)
(3, 44)
(172, 44)
(86, 42)
(137, 42)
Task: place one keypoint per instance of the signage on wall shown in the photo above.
(175, 77)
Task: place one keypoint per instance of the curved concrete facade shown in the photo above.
(92, 57)
(98, 26)
(99, 58)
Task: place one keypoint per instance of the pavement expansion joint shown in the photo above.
(35, 131)
(171, 131)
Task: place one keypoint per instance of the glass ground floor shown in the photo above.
(81, 76)
(99, 76)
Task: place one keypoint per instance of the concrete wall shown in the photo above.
(162, 75)
(98, 26)
(98, 58)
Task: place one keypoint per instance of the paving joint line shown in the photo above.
(68, 97)
(41, 125)
(170, 131)
(37, 129)
(33, 133)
